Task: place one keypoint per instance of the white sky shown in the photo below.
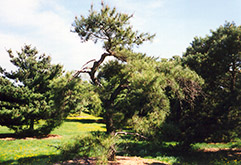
(46, 24)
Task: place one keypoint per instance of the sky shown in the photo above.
(47, 24)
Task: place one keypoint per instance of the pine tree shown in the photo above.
(33, 98)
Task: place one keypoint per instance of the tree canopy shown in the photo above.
(113, 29)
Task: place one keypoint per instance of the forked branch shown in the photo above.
(92, 70)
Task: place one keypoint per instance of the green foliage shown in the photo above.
(151, 89)
(80, 94)
(217, 58)
(183, 87)
(110, 27)
(96, 144)
(136, 92)
(35, 98)
(148, 96)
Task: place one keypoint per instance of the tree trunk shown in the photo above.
(109, 123)
(112, 153)
(233, 77)
(31, 125)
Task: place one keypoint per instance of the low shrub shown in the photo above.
(96, 144)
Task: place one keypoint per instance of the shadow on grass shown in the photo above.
(13, 136)
(38, 160)
(7, 135)
(179, 155)
(85, 121)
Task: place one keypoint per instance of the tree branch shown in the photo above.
(129, 133)
(95, 67)
(117, 91)
(83, 69)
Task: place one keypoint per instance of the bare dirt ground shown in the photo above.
(120, 160)
(234, 152)
(12, 137)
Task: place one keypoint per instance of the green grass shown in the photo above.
(17, 151)
(234, 144)
(39, 151)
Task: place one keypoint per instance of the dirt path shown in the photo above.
(13, 137)
(120, 160)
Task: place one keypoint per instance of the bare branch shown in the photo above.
(83, 69)
(129, 133)
(88, 62)
(95, 67)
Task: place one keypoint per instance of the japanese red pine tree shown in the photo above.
(114, 31)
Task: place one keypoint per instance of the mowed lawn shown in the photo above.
(42, 151)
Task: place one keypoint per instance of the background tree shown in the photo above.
(35, 98)
(174, 91)
(217, 58)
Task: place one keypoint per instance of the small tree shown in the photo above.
(35, 98)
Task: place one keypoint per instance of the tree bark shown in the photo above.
(109, 123)
(31, 125)
(233, 79)
(95, 67)
(110, 129)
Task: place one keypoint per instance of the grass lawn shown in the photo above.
(39, 151)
